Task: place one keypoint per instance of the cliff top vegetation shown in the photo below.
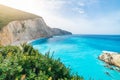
(8, 14)
(26, 63)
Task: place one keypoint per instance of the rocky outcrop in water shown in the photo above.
(25, 30)
(111, 58)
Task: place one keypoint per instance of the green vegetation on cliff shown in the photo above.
(9, 14)
(26, 63)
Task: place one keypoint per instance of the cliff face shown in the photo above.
(25, 30)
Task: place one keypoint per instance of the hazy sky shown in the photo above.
(77, 16)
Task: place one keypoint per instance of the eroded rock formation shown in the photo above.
(111, 58)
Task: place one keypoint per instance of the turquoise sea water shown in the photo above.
(80, 53)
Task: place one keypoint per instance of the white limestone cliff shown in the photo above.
(25, 30)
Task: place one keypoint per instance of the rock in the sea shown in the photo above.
(112, 58)
(26, 30)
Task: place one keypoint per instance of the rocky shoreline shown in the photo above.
(111, 58)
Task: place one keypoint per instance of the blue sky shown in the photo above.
(77, 16)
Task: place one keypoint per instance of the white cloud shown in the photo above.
(51, 4)
(91, 2)
(78, 10)
(81, 11)
(81, 4)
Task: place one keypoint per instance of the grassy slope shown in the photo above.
(8, 14)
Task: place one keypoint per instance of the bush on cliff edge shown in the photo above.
(26, 63)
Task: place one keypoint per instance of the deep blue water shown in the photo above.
(80, 53)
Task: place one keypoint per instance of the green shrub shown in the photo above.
(26, 63)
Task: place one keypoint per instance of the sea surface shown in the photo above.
(80, 53)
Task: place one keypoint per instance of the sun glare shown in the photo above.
(18, 4)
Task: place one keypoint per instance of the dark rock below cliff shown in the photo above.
(57, 31)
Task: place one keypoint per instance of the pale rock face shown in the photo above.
(112, 58)
(27, 30)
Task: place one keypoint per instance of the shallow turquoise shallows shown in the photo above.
(80, 53)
